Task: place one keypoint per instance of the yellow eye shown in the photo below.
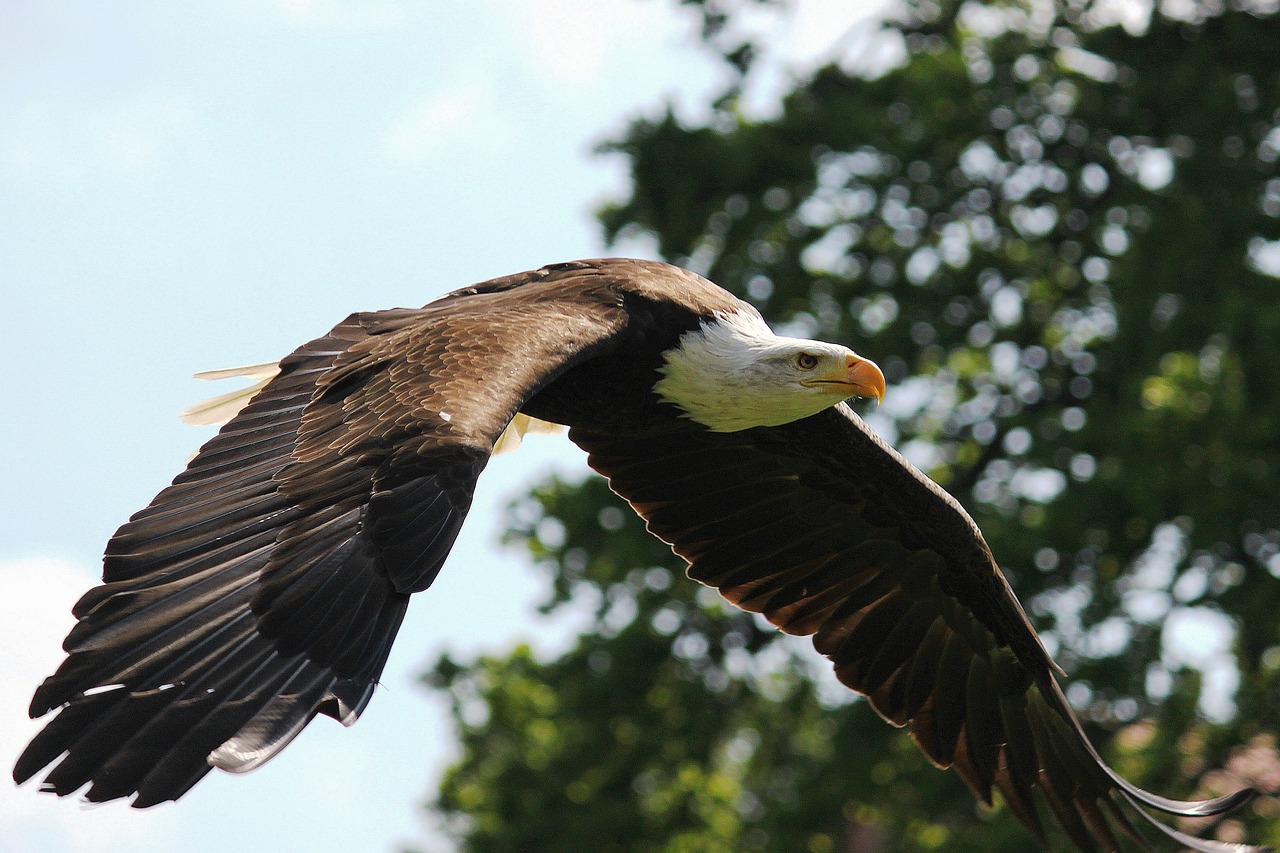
(806, 361)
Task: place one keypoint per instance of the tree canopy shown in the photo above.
(1060, 237)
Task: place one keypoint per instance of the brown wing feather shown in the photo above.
(828, 532)
(267, 583)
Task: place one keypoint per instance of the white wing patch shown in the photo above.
(520, 426)
(218, 410)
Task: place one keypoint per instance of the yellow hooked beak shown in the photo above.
(859, 376)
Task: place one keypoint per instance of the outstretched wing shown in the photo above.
(267, 583)
(828, 532)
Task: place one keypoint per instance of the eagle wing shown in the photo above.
(266, 584)
(827, 531)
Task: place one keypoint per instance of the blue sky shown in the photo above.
(192, 186)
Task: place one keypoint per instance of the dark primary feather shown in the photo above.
(267, 583)
(826, 531)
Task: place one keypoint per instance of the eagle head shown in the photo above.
(734, 373)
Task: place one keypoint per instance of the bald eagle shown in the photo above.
(266, 584)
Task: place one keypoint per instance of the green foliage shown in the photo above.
(1062, 242)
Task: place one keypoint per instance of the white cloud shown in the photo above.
(68, 140)
(342, 16)
(573, 40)
(463, 114)
(35, 614)
(795, 39)
(817, 26)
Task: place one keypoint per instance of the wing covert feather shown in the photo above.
(267, 583)
(826, 531)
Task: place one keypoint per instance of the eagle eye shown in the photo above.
(806, 361)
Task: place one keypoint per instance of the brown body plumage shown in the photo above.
(267, 583)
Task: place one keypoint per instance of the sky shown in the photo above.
(195, 186)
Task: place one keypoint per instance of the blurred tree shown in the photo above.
(1061, 239)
